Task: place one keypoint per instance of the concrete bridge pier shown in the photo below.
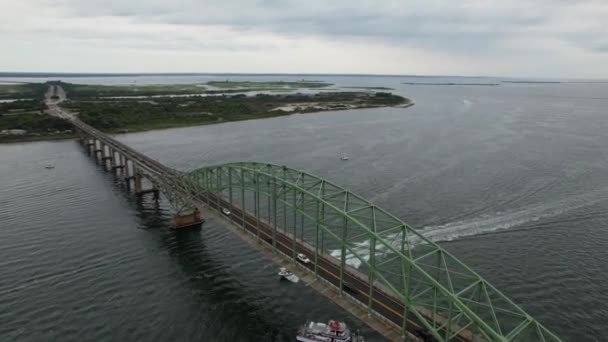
(190, 220)
(129, 172)
(122, 161)
(89, 145)
(113, 160)
(116, 162)
(97, 149)
(137, 183)
(140, 190)
(111, 154)
(106, 157)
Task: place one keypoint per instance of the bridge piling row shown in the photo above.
(116, 162)
(115, 157)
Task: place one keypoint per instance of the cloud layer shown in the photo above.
(546, 38)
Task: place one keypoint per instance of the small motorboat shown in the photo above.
(285, 274)
(344, 158)
(303, 258)
(48, 167)
(225, 211)
(334, 331)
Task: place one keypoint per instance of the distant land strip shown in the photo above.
(369, 88)
(13, 82)
(451, 84)
(539, 82)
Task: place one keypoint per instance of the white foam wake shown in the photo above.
(484, 224)
(510, 219)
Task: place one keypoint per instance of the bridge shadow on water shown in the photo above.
(235, 310)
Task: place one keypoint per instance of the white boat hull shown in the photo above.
(304, 339)
(334, 331)
(320, 339)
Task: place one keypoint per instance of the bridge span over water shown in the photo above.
(364, 253)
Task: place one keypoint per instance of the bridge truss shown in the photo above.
(436, 290)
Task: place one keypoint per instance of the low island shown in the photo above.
(130, 108)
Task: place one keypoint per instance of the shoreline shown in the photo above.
(117, 117)
(28, 138)
(15, 139)
(184, 125)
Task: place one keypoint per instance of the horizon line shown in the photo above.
(24, 74)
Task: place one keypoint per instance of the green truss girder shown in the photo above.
(438, 291)
(177, 190)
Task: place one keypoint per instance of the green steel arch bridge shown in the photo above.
(370, 256)
(401, 271)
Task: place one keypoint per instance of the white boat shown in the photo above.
(334, 331)
(285, 274)
(303, 258)
(344, 158)
(49, 167)
(226, 211)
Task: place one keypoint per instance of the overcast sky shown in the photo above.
(535, 38)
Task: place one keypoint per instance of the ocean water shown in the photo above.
(510, 178)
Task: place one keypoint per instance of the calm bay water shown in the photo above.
(512, 179)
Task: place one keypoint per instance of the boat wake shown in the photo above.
(293, 278)
(511, 219)
(483, 224)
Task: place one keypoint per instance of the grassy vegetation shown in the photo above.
(38, 127)
(34, 137)
(370, 88)
(267, 86)
(28, 115)
(22, 91)
(7, 108)
(83, 90)
(133, 114)
(164, 112)
(35, 123)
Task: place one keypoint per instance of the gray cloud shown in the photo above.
(469, 25)
(482, 30)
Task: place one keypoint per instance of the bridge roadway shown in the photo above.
(355, 283)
